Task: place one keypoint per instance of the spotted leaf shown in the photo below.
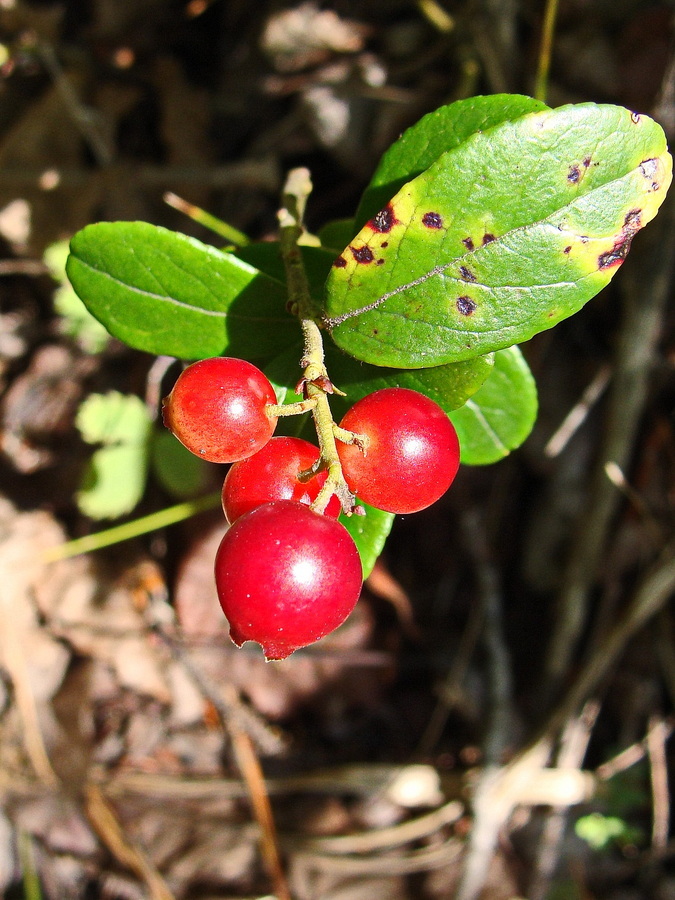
(502, 237)
(437, 132)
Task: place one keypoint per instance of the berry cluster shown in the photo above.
(287, 575)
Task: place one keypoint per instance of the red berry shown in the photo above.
(286, 577)
(272, 474)
(217, 409)
(412, 455)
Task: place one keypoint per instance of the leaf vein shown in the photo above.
(484, 422)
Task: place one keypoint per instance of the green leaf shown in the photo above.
(434, 134)
(502, 237)
(77, 322)
(114, 479)
(55, 258)
(167, 293)
(113, 418)
(370, 533)
(600, 831)
(501, 414)
(180, 472)
(450, 386)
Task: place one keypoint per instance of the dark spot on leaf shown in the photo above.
(468, 243)
(615, 256)
(586, 161)
(384, 244)
(574, 175)
(488, 238)
(583, 238)
(466, 274)
(375, 331)
(649, 168)
(632, 220)
(567, 249)
(466, 306)
(635, 118)
(384, 221)
(432, 220)
(340, 262)
(362, 254)
(379, 262)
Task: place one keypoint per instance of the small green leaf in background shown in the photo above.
(501, 238)
(601, 832)
(434, 134)
(180, 472)
(77, 322)
(370, 533)
(169, 294)
(501, 414)
(114, 480)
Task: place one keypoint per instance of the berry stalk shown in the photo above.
(315, 382)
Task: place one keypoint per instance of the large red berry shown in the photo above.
(286, 576)
(217, 409)
(272, 474)
(412, 455)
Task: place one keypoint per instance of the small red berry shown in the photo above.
(412, 455)
(286, 577)
(217, 409)
(272, 474)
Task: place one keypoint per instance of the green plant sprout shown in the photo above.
(490, 220)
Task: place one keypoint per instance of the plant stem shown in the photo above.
(290, 409)
(545, 51)
(315, 376)
(231, 234)
(133, 529)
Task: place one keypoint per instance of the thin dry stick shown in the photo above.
(640, 330)
(658, 767)
(251, 770)
(23, 267)
(393, 836)
(502, 789)
(82, 117)
(653, 592)
(419, 860)
(109, 829)
(489, 816)
(574, 741)
(15, 661)
(622, 761)
(450, 691)
(231, 713)
(261, 174)
(656, 588)
(576, 416)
